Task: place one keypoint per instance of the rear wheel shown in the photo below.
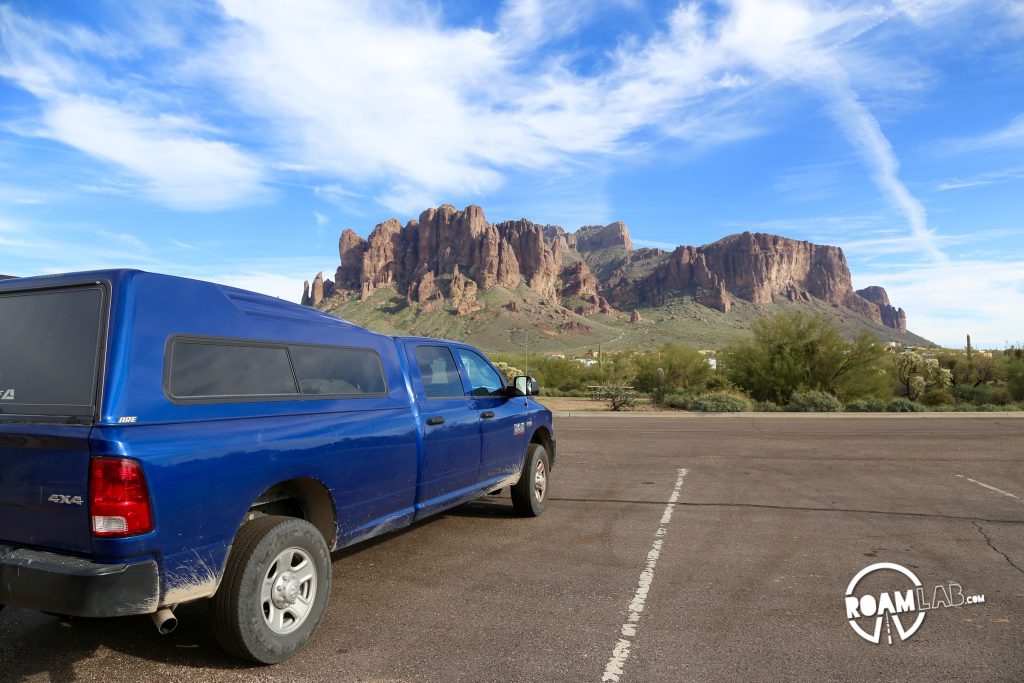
(275, 590)
(529, 494)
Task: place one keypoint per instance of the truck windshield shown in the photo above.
(49, 351)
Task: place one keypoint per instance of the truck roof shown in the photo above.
(244, 301)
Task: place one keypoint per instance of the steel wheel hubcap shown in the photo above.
(540, 481)
(288, 591)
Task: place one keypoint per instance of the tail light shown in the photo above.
(118, 498)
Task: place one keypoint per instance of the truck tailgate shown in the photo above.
(44, 479)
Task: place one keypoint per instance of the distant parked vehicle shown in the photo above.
(164, 440)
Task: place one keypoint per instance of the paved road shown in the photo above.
(742, 579)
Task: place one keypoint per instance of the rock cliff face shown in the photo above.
(447, 257)
(892, 317)
(595, 237)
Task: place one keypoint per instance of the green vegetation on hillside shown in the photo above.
(498, 327)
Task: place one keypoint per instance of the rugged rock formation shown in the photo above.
(596, 237)
(685, 269)
(320, 290)
(892, 317)
(447, 255)
(578, 282)
(351, 248)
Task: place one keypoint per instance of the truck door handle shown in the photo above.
(436, 420)
(487, 414)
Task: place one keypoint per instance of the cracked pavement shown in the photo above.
(775, 516)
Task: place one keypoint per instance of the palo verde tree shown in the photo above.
(794, 351)
(685, 369)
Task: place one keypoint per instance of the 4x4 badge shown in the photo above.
(65, 500)
(6, 394)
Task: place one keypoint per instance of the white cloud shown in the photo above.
(285, 286)
(176, 167)
(385, 94)
(170, 156)
(1010, 135)
(788, 40)
(530, 22)
(982, 298)
(989, 178)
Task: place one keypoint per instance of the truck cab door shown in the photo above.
(503, 425)
(451, 435)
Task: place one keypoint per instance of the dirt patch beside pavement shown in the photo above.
(560, 403)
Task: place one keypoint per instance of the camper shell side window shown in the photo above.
(214, 370)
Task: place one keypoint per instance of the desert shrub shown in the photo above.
(903, 405)
(720, 402)
(813, 402)
(968, 393)
(1000, 395)
(865, 405)
(988, 408)
(1015, 376)
(719, 381)
(937, 397)
(767, 407)
(677, 401)
(618, 396)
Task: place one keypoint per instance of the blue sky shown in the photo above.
(233, 141)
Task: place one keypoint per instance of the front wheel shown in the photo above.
(529, 494)
(275, 590)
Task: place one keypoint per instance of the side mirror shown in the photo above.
(526, 386)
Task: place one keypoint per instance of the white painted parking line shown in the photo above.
(991, 488)
(620, 653)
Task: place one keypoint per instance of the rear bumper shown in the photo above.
(74, 586)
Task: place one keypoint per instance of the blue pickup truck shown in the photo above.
(164, 440)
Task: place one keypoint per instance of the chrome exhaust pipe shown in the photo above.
(165, 621)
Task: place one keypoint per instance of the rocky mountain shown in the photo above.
(457, 263)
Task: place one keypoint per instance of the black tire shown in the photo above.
(259, 567)
(530, 492)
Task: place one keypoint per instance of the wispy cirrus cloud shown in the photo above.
(982, 179)
(170, 158)
(387, 98)
(811, 182)
(1010, 135)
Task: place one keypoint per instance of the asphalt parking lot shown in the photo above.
(743, 577)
